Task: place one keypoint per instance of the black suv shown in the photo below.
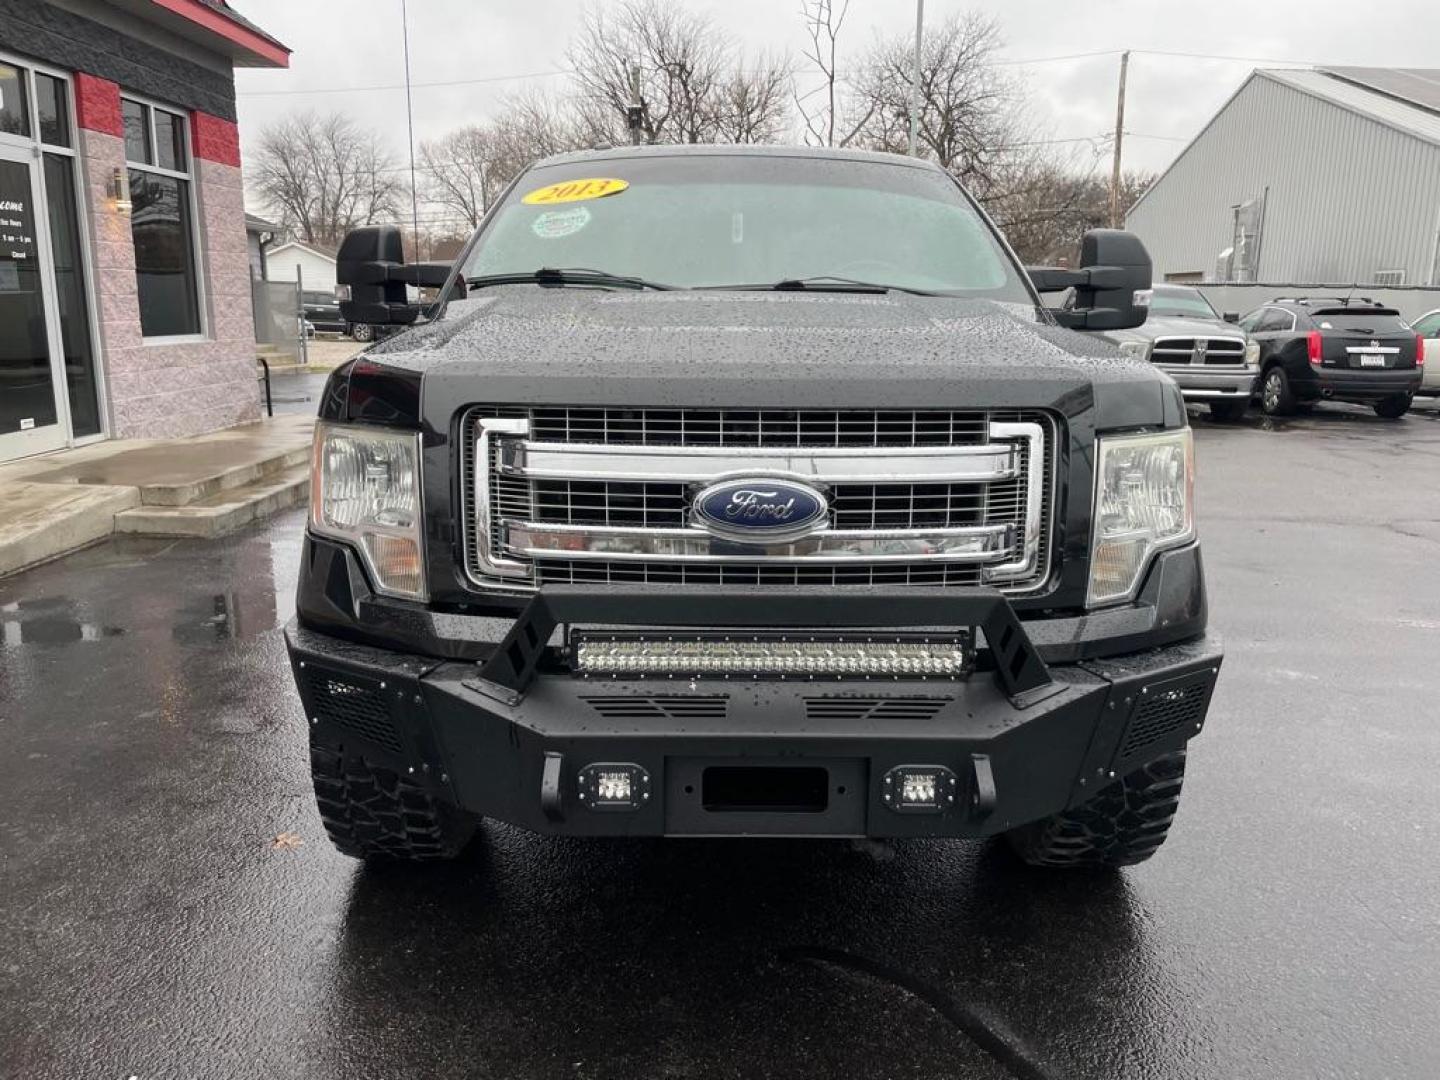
(1335, 349)
(742, 491)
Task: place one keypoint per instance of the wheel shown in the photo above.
(1392, 408)
(362, 332)
(1275, 396)
(1229, 410)
(375, 813)
(1124, 824)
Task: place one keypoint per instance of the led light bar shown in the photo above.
(949, 657)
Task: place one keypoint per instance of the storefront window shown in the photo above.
(137, 131)
(161, 221)
(80, 378)
(54, 110)
(14, 113)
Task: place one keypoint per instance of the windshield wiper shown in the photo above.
(824, 283)
(566, 275)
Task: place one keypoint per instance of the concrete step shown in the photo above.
(171, 473)
(231, 477)
(222, 511)
(42, 521)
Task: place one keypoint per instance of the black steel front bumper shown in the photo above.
(512, 737)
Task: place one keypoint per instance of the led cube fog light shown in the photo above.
(613, 785)
(918, 789)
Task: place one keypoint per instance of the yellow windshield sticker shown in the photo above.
(575, 191)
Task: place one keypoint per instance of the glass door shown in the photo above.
(31, 410)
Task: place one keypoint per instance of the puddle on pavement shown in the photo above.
(51, 621)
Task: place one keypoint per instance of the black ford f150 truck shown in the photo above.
(734, 491)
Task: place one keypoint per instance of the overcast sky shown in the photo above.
(357, 43)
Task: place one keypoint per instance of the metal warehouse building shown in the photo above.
(1329, 175)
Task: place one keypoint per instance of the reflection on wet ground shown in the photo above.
(152, 749)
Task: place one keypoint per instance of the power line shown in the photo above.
(401, 86)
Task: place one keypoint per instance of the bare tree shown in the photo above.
(694, 82)
(971, 114)
(467, 170)
(751, 106)
(323, 175)
(455, 172)
(823, 23)
(1045, 216)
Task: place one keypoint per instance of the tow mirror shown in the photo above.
(1112, 286)
(371, 265)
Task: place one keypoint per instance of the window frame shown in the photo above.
(1271, 309)
(187, 176)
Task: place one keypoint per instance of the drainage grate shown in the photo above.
(676, 707)
(876, 710)
(1163, 713)
(356, 708)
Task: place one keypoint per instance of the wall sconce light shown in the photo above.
(118, 191)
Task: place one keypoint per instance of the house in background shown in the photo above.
(312, 266)
(1323, 176)
(259, 234)
(121, 310)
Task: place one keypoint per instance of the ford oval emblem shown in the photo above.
(760, 510)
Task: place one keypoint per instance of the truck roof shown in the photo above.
(615, 153)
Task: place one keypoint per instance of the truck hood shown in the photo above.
(1160, 326)
(579, 346)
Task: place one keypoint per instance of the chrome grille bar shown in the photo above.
(536, 540)
(699, 464)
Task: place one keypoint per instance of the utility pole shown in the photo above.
(915, 76)
(410, 133)
(1119, 136)
(635, 111)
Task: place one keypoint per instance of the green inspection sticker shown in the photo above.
(554, 224)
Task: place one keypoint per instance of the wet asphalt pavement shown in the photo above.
(153, 747)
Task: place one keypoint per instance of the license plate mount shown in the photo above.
(1372, 359)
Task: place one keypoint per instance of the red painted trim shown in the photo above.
(97, 104)
(207, 17)
(214, 139)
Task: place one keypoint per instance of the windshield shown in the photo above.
(1181, 304)
(718, 220)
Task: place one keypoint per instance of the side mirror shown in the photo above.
(1232, 316)
(371, 264)
(1112, 286)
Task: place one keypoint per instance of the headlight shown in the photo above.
(1136, 349)
(365, 489)
(1252, 353)
(1144, 503)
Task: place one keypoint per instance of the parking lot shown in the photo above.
(152, 926)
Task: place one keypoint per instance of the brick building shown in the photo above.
(124, 268)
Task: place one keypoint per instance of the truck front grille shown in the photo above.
(1223, 351)
(509, 457)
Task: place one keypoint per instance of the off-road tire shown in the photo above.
(373, 813)
(1392, 408)
(1276, 397)
(1226, 411)
(1124, 824)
